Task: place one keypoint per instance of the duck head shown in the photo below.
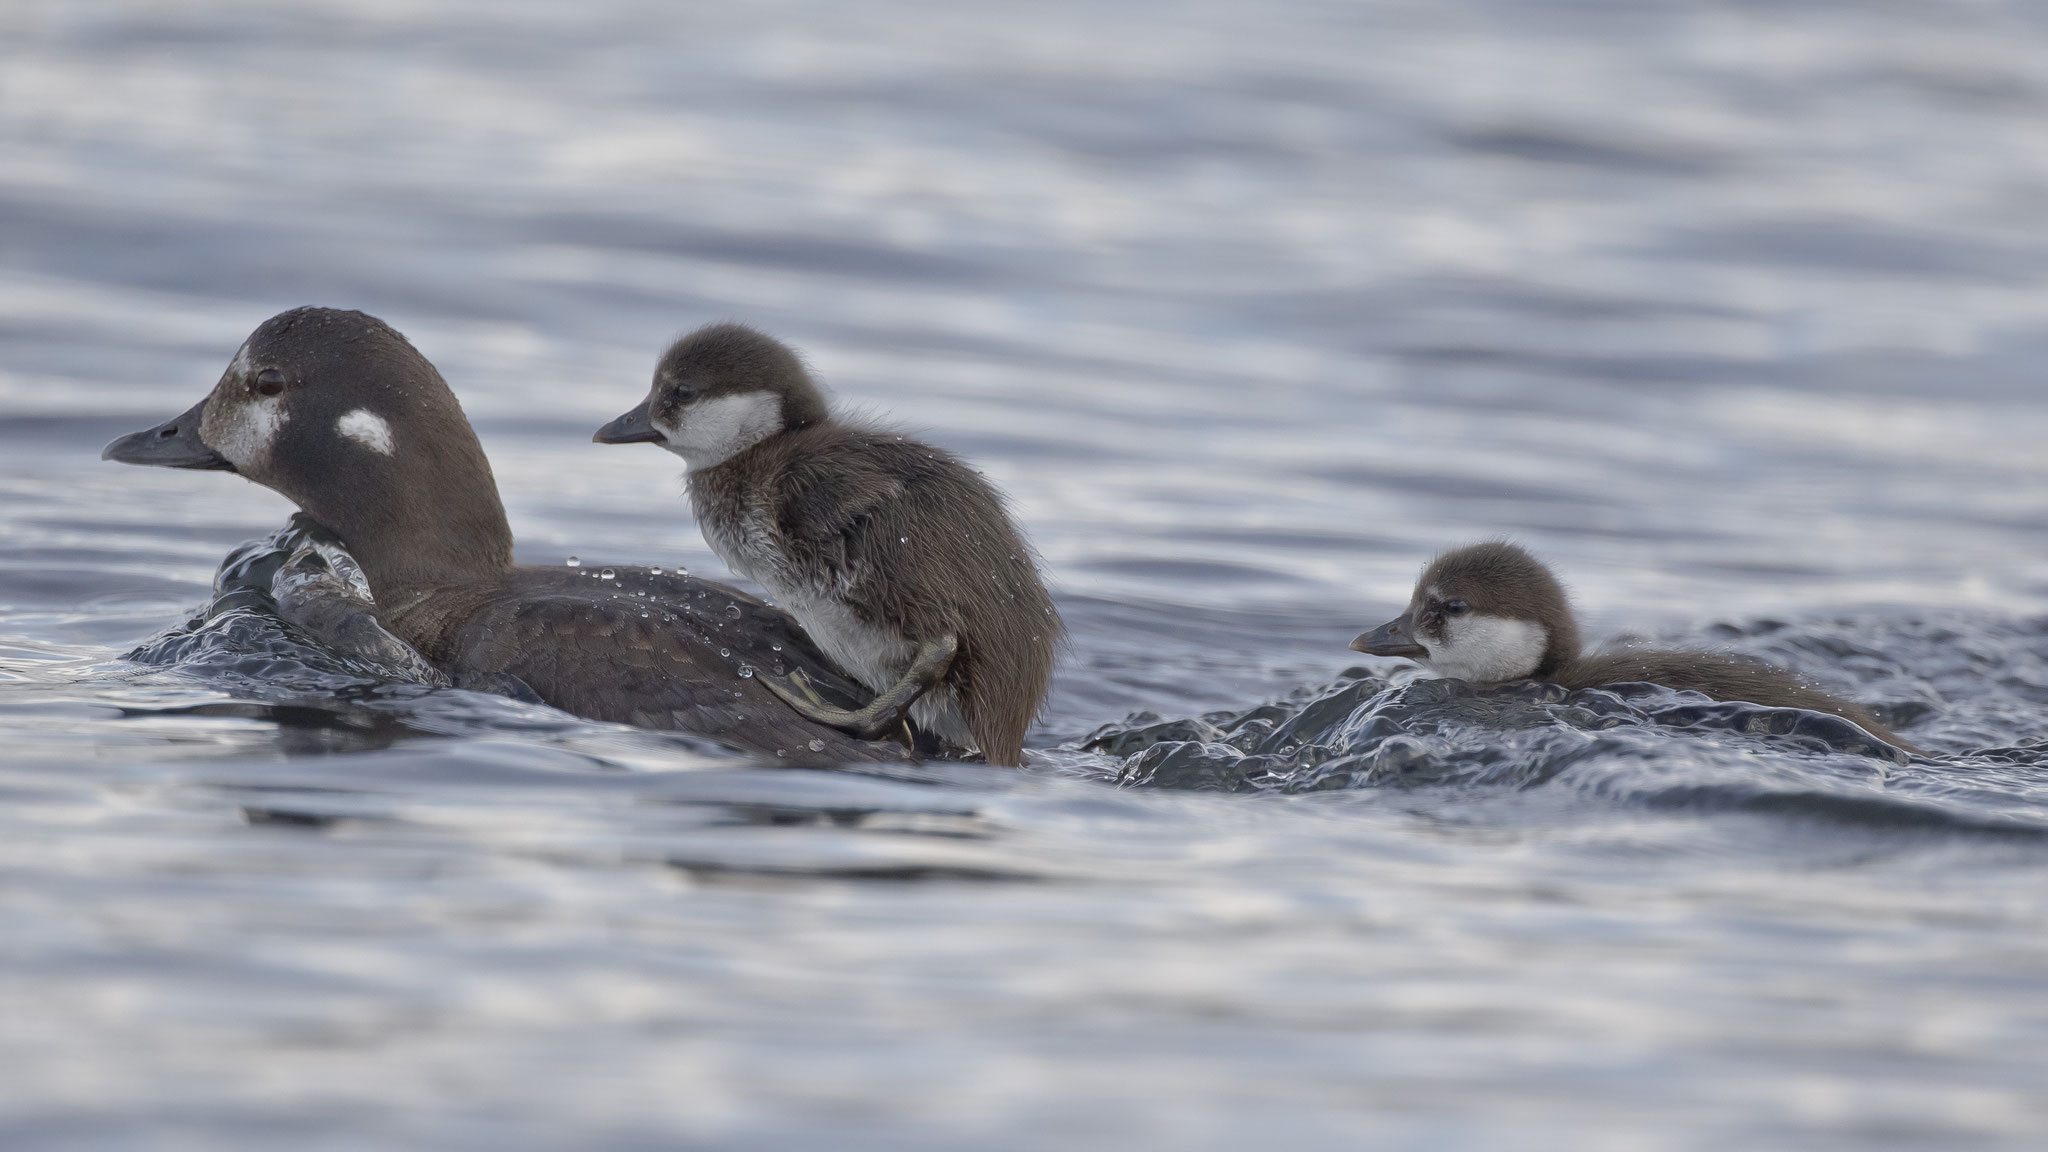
(338, 413)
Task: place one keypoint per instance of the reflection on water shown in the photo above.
(1733, 314)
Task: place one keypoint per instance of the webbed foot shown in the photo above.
(886, 710)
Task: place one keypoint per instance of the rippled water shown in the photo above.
(1732, 312)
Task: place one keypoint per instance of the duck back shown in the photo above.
(1720, 676)
(663, 651)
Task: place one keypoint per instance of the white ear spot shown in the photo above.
(366, 428)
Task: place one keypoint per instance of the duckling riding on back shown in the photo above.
(897, 558)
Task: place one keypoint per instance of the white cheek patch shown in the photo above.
(1487, 648)
(366, 428)
(710, 432)
(245, 433)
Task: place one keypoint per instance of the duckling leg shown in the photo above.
(888, 707)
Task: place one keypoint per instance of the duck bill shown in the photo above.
(175, 443)
(632, 428)
(1394, 638)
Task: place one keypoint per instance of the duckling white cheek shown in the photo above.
(710, 432)
(1488, 648)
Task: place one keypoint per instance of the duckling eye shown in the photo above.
(1456, 607)
(270, 382)
(683, 393)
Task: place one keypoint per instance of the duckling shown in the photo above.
(895, 556)
(1492, 612)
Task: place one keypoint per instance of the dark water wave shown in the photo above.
(241, 635)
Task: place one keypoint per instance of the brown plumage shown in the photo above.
(1492, 612)
(339, 413)
(878, 544)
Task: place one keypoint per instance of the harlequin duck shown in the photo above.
(896, 557)
(1491, 612)
(337, 412)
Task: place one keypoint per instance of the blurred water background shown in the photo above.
(1733, 311)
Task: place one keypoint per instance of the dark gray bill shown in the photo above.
(174, 443)
(1394, 638)
(632, 428)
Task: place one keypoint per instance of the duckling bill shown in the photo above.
(895, 556)
(1492, 612)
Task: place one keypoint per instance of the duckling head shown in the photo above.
(1486, 612)
(718, 392)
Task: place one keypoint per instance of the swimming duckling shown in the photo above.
(897, 558)
(340, 414)
(1492, 612)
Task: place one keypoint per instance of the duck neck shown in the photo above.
(411, 535)
(426, 553)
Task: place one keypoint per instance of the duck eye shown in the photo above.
(1456, 607)
(683, 393)
(270, 382)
